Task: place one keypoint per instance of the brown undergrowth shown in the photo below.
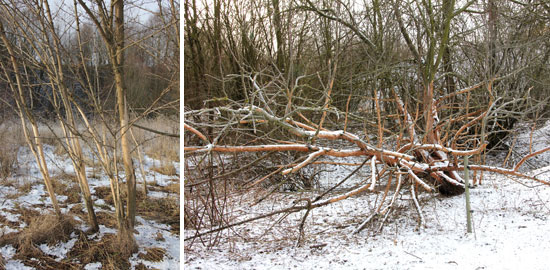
(42, 229)
(165, 169)
(154, 254)
(112, 251)
(163, 210)
(2, 263)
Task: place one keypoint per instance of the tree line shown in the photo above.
(423, 49)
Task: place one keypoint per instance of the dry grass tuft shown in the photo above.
(163, 210)
(26, 186)
(172, 188)
(112, 250)
(165, 169)
(153, 254)
(156, 146)
(42, 229)
(2, 263)
(66, 184)
(48, 229)
(104, 192)
(159, 237)
(11, 136)
(106, 218)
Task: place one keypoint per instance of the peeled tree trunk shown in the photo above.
(117, 60)
(112, 32)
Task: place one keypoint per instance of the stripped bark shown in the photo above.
(431, 162)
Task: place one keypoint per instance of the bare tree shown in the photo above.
(113, 37)
(26, 116)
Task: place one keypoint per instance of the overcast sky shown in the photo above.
(140, 9)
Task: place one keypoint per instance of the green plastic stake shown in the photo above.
(467, 190)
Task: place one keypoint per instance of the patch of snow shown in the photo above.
(60, 250)
(62, 198)
(159, 194)
(147, 238)
(6, 229)
(11, 217)
(8, 252)
(17, 265)
(510, 220)
(37, 199)
(100, 202)
(93, 266)
(35, 196)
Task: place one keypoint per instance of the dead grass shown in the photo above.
(154, 254)
(66, 184)
(77, 210)
(159, 237)
(2, 263)
(173, 188)
(59, 186)
(163, 148)
(106, 218)
(165, 169)
(48, 229)
(141, 266)
(59, 147)
(37, 259)
(42, 229)
(11, 136)
(163, 210)
(27, 214)
(8, 223)
(157, 146)
(104, 192)
(8, 160)
(26, 186)
(112, 250)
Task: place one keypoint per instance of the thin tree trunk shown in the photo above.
(73, 144)
(118, 69)
(36, 145)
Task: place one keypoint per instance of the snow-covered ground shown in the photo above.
(149, 232)
(510, 222)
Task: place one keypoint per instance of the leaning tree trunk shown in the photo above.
(35, 143)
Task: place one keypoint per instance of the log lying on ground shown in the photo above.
(427, 164)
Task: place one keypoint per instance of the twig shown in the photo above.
(417, 206)
(301, 235)
(364, 224)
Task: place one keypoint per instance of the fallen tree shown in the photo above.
(430, 162)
